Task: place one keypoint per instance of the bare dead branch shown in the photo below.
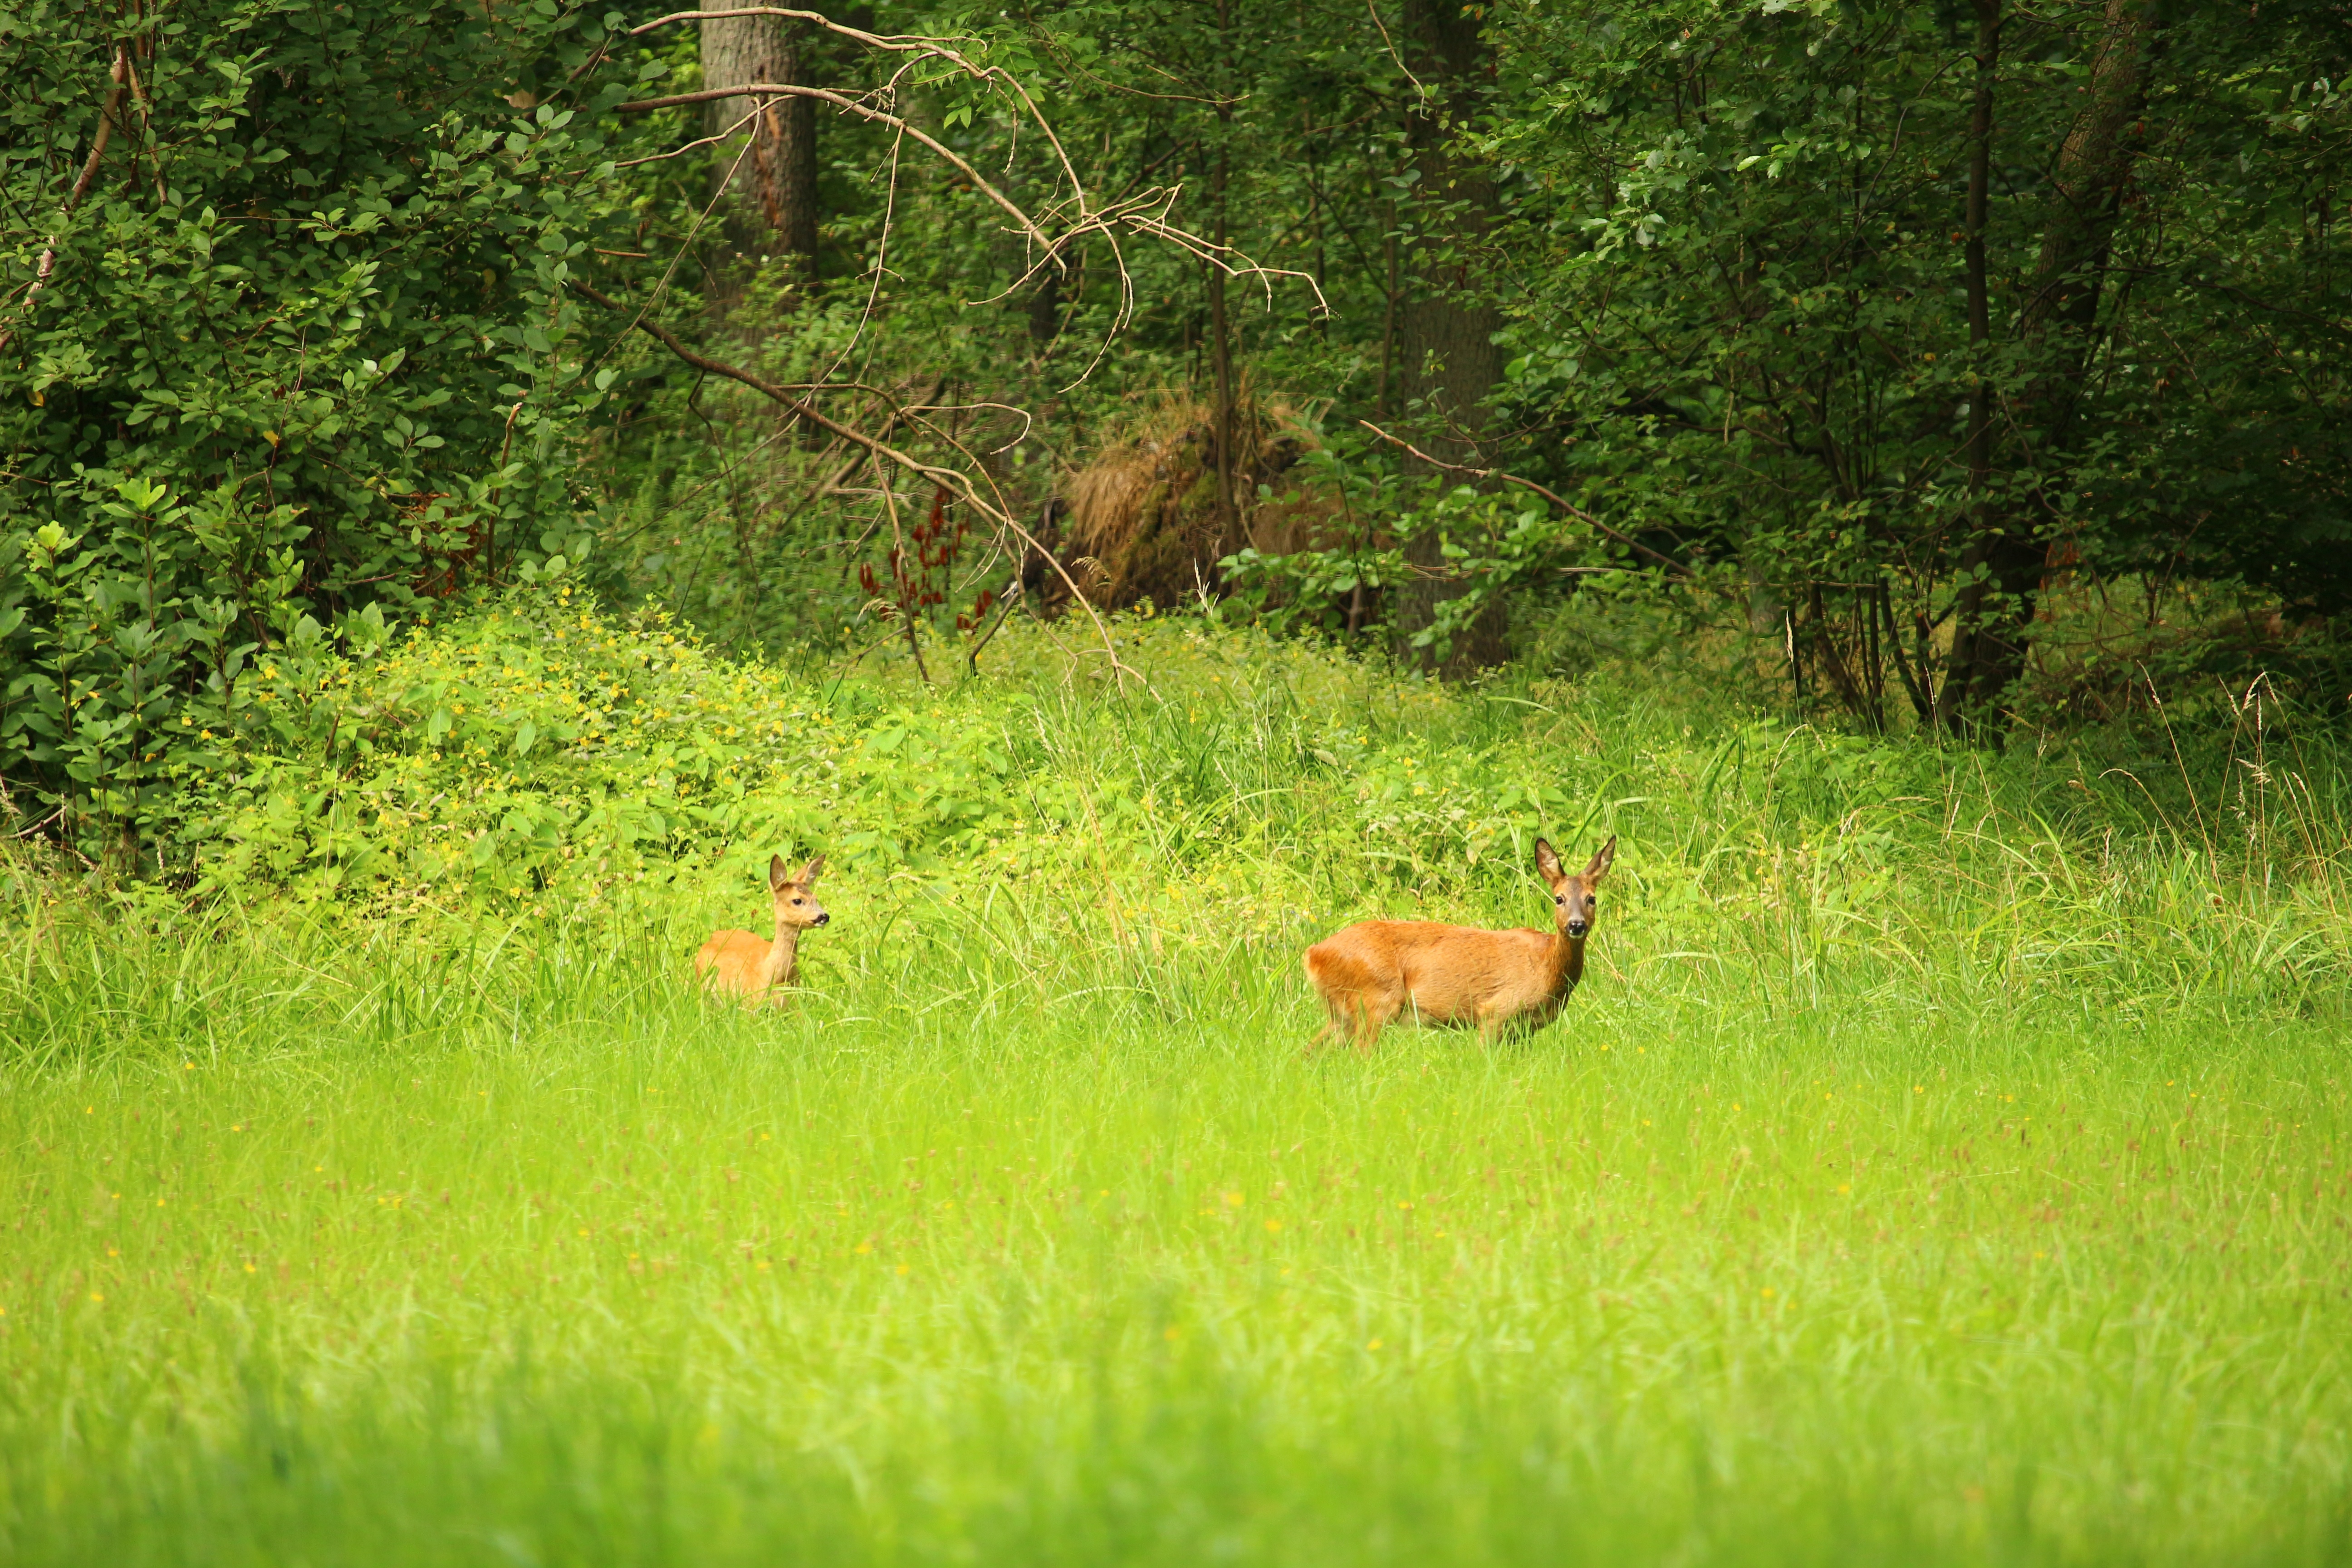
(956, 483)
(849, 105)
(681, 151)
(895, 43)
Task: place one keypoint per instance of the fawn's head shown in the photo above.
(1575, 898)
(796, 896)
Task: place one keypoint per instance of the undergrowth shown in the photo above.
(547, 765)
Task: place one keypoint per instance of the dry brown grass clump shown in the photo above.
(1142, 516)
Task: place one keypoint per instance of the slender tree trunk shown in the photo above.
(1389, 316)
(1971, 606)
(1447, 358)
(774, 210)
(1221, 338)
(1045, 311)
(2058, 318)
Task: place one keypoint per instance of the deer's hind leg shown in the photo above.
(1374, 1009)
(1335, 1023)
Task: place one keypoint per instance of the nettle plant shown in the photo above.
(285, 345)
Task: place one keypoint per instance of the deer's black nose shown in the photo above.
(822, 919)
(1577, 928)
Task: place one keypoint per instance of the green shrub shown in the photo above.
(545, 760)
(302, 345)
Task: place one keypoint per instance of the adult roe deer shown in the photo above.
(1371, 971)
(740, 961)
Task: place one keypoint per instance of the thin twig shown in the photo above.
(28, 832)
(898, 560)
(956, 482)
(681, 152)
(120, 76)
(839, 100)
(1372, 7)
(1557, 500)
(897, 43)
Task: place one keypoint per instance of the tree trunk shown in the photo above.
(1220, 332)
(2058, 315)
(1388, 312)
(774, 210)
(1045, 311)
(1221, 359)
(1447, 361)
(1969, 608)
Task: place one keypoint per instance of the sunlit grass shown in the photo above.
(1945, 1161)
(579, 1267)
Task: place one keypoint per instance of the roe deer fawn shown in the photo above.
(740, 961)
(1460, 975)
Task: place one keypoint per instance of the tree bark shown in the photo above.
(1969, 609)
(1221, 359)
(1045, 311)
(1447, 360)
(774, 186)
(1220, 332)
(2058, 317)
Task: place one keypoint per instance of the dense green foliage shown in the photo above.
(1964, 361)
(1751, 323)
(301, 348)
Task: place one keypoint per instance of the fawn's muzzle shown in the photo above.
(1577, 928)
(822, 919)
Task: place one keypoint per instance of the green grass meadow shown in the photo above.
(1947, 1160)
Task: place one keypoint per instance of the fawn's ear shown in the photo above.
(810, 872)
(1602, 860)
(777, 877)
(1547, 861)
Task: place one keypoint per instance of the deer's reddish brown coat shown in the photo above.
(757, 970)
(1375, 970)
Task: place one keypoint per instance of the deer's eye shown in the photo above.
(795, 902)
(1559, 898)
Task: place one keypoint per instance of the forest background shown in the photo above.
(1136, 487)
(1941, 368)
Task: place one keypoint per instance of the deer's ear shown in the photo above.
(778, 878)
(1547, 861)
(1602, 860)
(810, 872)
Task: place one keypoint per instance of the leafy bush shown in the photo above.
(301, 345)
